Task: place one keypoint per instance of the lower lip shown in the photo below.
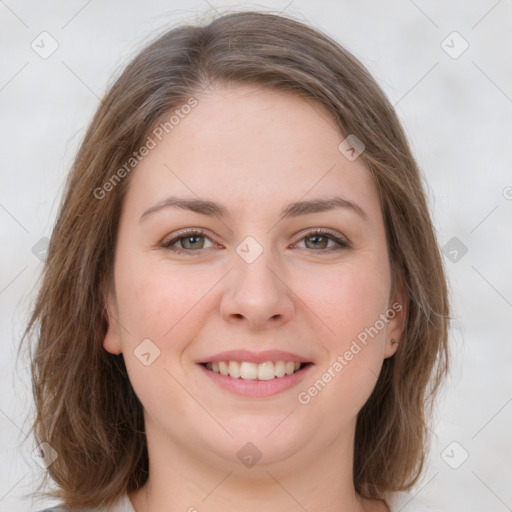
(257, 388)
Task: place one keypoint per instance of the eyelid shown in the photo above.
(168, 241)
(340, 240)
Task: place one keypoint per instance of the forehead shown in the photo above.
(251, 147)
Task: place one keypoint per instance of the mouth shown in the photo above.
(248, 370)
(255, 374)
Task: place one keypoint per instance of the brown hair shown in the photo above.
(86, 408)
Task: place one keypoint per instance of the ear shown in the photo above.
(397, 313)
(112, 341)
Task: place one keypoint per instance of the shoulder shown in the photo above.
(55, 509)
(122, 505)
(62, 508)
(397, 502)
(405, 502)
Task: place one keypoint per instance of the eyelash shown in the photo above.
(342, 244)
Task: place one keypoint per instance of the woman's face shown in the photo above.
(250, 242)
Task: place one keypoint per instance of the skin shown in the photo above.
(254, 151)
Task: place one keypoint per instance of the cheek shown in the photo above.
(348, 298)
(156, 297)
(349, 304)
(164, 303)
(167, 306)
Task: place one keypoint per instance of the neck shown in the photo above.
(310, 479)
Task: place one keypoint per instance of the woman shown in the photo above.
(244, 304)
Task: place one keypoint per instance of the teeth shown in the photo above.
(253, 371)
(246, 370)
(223, 368)
(289, 368)
(266, 371)
(234, 369)
(280, 368)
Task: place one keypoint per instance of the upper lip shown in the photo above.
(254, 357)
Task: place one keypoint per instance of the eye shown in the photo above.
(193, 240)
(323, 239)
(188, 241)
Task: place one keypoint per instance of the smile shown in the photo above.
(246, 370)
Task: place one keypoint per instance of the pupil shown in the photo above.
(191, 240)
(315, 240)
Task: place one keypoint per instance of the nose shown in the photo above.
(256, 294)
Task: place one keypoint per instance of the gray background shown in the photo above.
(455, 108)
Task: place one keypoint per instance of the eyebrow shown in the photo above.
(213, 209)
